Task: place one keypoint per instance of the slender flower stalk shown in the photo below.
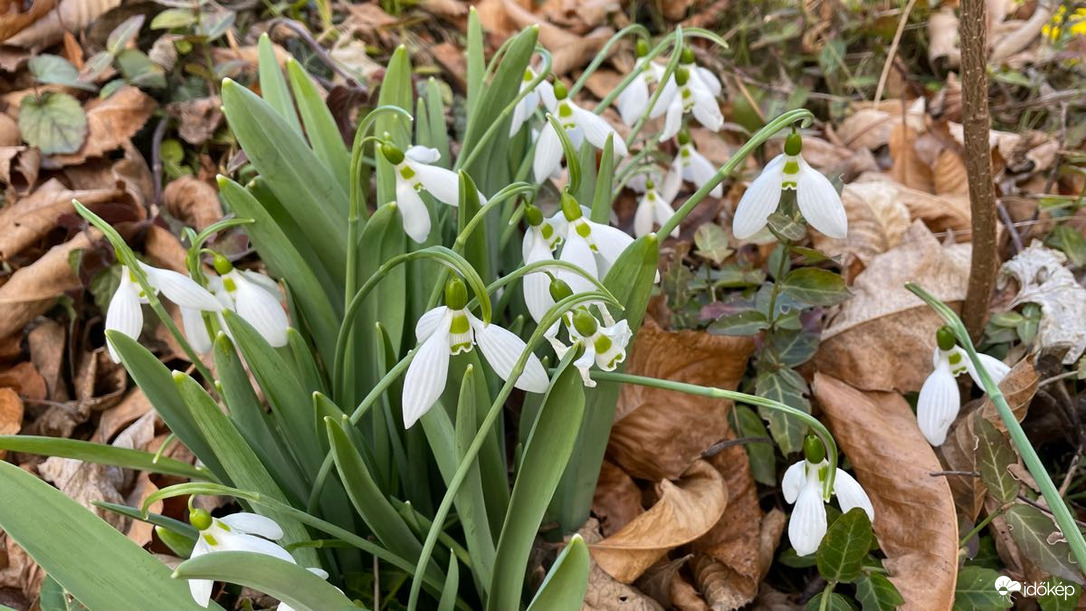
(692, 90)
(634, 99)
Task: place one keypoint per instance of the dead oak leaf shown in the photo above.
(11, 413)
(877, 222)
(31, 218)
(111, 123)
(193, 201)
(915, 521)
(32, 290)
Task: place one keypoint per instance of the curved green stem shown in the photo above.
(552, 316)
(738, 397)
(1051, 494)
(513, 190)
(605, 52)
(767, 132)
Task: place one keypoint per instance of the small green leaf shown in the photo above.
(1040, 540)
(816, 287)
(842, 551)
(122, 34)
(1060, 595)
(994, 455)
(976, 590)
(712, 243)
(173, 18)
(788, 387)
(54, 122)
(452, 584)
(749, 322)
(53, 69)
(139, 70)
(877, 593)
(288, 582)
(763, 461)
(836, 602)
(790, 347)
(565, 585)
(100, 453)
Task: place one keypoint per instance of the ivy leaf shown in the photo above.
(763, 461)
(122, 34)
(712, 243)
(994, 455)
(976, 590)
(792, 347)
(816, 287)
(1061, 595)
(749, 322)
(1041, 541)
(54, 122)
(173, 18)
(836, 602)
(842, 551)
(54, 69)
(139, 70)
(788, 387)
(877, 593)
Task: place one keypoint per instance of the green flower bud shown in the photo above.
(456, 293)
(570, 207)
(793, 144)
(945, 338)
(642, 47)
(559, 290)
(687, 56)
(682, 76)
(813, 449)
(650, 184)
(222, 264)
(200, 519)
(533, 215)
(560, 91)
(585, 323)
(684, 137)
(393, 154)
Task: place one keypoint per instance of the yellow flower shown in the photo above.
(1076, 23)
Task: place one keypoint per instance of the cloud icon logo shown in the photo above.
(1005, 585)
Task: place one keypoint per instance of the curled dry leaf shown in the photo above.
(11, 413)
(617, 499)
(15, 19)
(943, 38)
(909, 167)
(47, 346)
(193, 201)
(569, 51)
(685, 511)
(9, 131)
(33, 289)
(25, 380)
(134, 406)
(915, 520)
(657, 433)
(110, 123)
(31, 218)
(604, 592)
(870, 128)
(883, 338)
(948, 174)
(197, 119)
(19, 166)
(877, 222)
(1043, 279)
(959, 451)
(66, 15)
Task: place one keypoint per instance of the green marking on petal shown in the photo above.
(547, 231)
(210, 540)
(791, 167)
(565, 111)
(407, 172)
(789, 185)
(602, 344)
(459, 324)
(229, 285)
(955, 358)
(583, 230)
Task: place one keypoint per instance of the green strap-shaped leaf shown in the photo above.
(601, 197)
(549, 447)
(395, 91)
(91, 559)
(100, 453)
(320, 126)
(452, 585)
(475, 59)
(842, 551)
(272, 84)
(290, 583)
(567, 581)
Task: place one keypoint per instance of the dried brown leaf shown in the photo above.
(25, 380)
(17, 16)
(877, 222)
(11, 413)
(32, 217)
(19, 166)
(568, 51)
(193, 201)
(49, 27)
(909, 168)
(33, 289)
(198, 119)
(882, 338)
(130, 409)
(110, 123)
(685, 511)
(9, 131)
(1043, 279)
(948, 175)
(47, 346)
(943, 38)
(915, 520)
(870, 128)
(604, 593)
(617, 499)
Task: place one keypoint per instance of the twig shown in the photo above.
(1043, 508)
(1070, 471)
(304, 34)
(954, 473)
(978, 164)
(720, 446)
(893, 51)
(1008, 222)
(156, 163)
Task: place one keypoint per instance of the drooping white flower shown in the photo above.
(452, 329)
(634, 99)
(654, 208)
(239, 532)
(254, 297)
(803, 485)
(530, 102)
(581, 125)
(817, 199)
(540, 240)
(593, 247)
(415, 172)
(604, 346)
(939, 400)
(692, 166)
(125, 315)
(692, 90)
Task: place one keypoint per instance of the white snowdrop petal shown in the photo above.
(706, 110)
(429, 322)
(261, 310)
(415, 214)
(673, 180)
(819, 202)
(548, 154)
(254, 524)
(537, 295)
(807, 525)
(521, 112)
(546, 95)
(422, 154)
(201, 591)
(240, 542)
(702, 171)
(633, 101)
(443, 184)
(426, 377)
(502, 348)
(706, 78)
(181, 289)
(584, 365)
(667, 96)
(195, 330)
(673, 121)
(850, 494)
(759, 201)
(596, 129)
(938, 404)
(643, 218)
(577, 252)
(995, 367)
(610, 243)
(124, 313)
(793, 480)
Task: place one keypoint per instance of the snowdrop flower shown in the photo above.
(540, 240)
(939, 401)
(239, 532)
(654, 208)
(818, 200)
(415, 172)
(634, 99)
(692, 90)
(580, 125)
(692, 166)
(125, 315)
(803, 485)
(527, 105)
(450, 330)
(604, 346)
(591, 246)
(255, 298)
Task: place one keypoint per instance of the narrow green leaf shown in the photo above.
(877, 593)
(100, 453)
(476, 250)
(288, 582)
(471, 506)
(452, 585)
(601, 198)
(841, 553)
(320, 126)
(273, 86)
(183, 529)
(501, 90)
(105, 570)
(994, 455)
(181, 546)
(549, 447)
(395, 91)
(976, 590)
(476, 62)
(565, 585)
(816, 287)
(788, 387)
